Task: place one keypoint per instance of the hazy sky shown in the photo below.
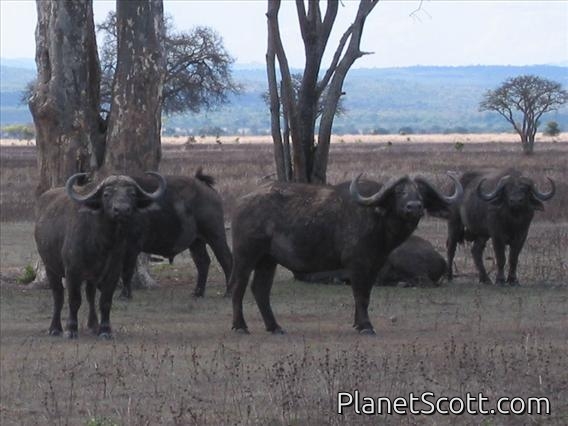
(441, 33)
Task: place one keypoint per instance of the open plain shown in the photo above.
(175, 360)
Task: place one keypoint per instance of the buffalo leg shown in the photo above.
(261, 286)
(514, 251)
(202, 261)
(105, 303)
(499, 249)
(93, 321)
(74, 293)
(128, 267)
(223, 254)
(238, 283)
(451, 244)
(58, 293)
(361, 287)
(477, 253)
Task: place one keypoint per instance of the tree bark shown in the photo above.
(133, 143)
(65, 105)
(133, 137)
(65, 102)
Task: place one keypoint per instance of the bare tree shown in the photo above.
(522, 101)
(304, 160)
(198, 67)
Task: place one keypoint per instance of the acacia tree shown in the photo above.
(71, 135)
(297, 155)
(522, 101)
(198, 67)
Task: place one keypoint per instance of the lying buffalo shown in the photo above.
(415, 262)
(84, 238)
(309, 228)
(188, 216)
(496, 205)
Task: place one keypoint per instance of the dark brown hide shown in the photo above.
(84, 238)
(498, 206)
(308, 228)
(188, 216)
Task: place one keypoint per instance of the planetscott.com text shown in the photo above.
(428, 403)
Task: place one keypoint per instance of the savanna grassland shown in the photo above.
(174, 359)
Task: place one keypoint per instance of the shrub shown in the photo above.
(28, 275)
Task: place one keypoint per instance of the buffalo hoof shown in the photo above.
(278, 331)
(367, 332)
(55, 332)
(485, 281)
(513, 282)
(198, 293)
(241, 330)
(500, 283)
(72, 334)
(105, 336)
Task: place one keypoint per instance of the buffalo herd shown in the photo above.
(360, 229)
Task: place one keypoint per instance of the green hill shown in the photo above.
(379, 100)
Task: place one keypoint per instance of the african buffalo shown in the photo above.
(309, 228)
(188, 216)
(414, 262)
(84, 238)
(501, 209)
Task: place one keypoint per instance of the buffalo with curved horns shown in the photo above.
(188, 216)
(84, 238)
(501, 211)
(309, 228)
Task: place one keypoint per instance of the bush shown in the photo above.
(552, 129)
(28, 275)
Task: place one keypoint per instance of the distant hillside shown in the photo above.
(379, 100)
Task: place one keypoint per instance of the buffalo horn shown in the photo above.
(377, 197)
(71, 192)
(544, 196)
(458, 191)
(488, 196)
(158, 192)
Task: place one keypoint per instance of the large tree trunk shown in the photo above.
(65, 100)
(133, 136)
(71, 135)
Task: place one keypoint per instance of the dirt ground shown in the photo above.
(174, 359)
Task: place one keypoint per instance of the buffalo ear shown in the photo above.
(433, 203)
(91, 206)
(536, 204)
(143, 203)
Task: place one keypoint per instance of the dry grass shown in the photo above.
(174, 359)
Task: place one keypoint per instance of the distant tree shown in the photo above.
(19, 131)
(307, 160)
(522, 101)
(198, 67)
(552, 129)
